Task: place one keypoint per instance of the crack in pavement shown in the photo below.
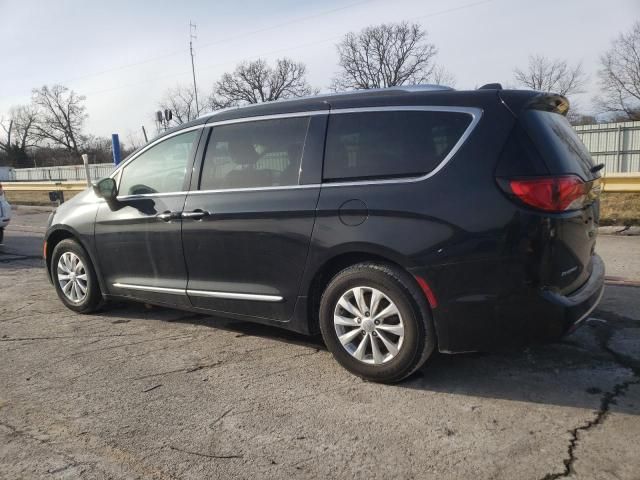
(192, 369)
(605, 404)
(27, 339)
(220, 417)
(207, 455)
(603, 333)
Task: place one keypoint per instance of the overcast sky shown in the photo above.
(123, 55)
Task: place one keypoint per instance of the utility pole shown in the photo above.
(192, 36)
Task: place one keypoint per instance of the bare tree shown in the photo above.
(256, 82)
(61, 115)
(135, 140)
(18, 134)
(385, 56)
(442, 76)
(18, 129)
(181, 100)
(551, 75)
(620, 75)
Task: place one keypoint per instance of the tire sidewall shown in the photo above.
(93, 289)
(414, 331)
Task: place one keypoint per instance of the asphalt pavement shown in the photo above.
(137, 392)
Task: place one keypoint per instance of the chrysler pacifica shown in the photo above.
(395, 222)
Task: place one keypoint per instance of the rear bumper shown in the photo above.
(489, 313)
(576, 307)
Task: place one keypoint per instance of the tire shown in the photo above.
(1, 235)
(394, 287)
(90, 299)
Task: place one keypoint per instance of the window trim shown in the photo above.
(474, 112)
(117, 173)
(212, 126)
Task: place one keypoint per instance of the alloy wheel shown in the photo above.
(369, 325)
(72, 277)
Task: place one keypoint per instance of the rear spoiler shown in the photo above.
(549, 102)
(517, 100)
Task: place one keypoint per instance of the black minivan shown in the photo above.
(394, 221)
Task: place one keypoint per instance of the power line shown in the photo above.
(217, 42)
(287, 49)
(214, 65)
(285, 23)
(208, 67)
(452, 9)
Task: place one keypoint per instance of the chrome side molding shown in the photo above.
(236, 296)
(202, 293)
(145, 288)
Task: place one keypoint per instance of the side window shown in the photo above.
(261, 153)
(371, 145)
(160, 169)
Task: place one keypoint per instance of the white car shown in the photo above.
(5, 213)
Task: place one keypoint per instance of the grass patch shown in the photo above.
(33, 198)
(620, 208)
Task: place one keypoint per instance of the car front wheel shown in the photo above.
(74, 277)
(375, 321)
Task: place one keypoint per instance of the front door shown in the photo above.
(246, 230)
(139, 241)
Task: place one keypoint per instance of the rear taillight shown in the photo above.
(1, 191)
(551, 194)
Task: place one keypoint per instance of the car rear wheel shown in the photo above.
(74, 277)
(376, 322)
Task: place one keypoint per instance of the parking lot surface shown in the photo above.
(139, 392)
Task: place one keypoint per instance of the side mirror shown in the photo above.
(107, 189)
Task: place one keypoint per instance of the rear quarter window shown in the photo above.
(375, 145)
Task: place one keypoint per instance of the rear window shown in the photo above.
(562, 150)
(370, 145)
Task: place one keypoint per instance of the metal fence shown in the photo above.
(67, 172)
(617, 145)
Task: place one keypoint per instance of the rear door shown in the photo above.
(248, 220)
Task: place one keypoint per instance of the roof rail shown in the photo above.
(418, 88)
(400, 88)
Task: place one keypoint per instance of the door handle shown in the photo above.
(167, 216)
(196, 214)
